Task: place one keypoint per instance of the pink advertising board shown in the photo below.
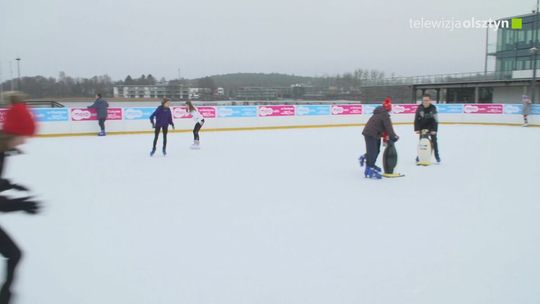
(349, 109)
(483, 109)
(3, 115)
(84, 114)
(181, 112)
(404, 108)
(269, 111)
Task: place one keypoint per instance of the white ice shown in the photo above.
(282, 216)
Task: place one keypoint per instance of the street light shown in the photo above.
(18, 73)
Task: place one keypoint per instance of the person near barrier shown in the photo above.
(101, 106)
(526, 109)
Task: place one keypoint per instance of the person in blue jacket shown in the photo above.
(161, 119)
(101, 106)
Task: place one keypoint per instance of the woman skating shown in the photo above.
(161, 119)
(199, 122)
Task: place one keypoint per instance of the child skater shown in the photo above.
(387, 104)
(163, 118)
(199, 122)
(378, 124)
(18, 125)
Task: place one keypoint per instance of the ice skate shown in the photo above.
(196, 145)
(152, 152)
(370, 172)
(164, 151)
(362, 160)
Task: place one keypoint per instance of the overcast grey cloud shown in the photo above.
(317, 37)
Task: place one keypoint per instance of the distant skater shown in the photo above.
(101, 106)
(526, 109)
(199, 122)
(161, 119)
(18, 125)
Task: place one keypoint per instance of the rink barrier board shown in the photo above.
(277, 128)
(135, 120)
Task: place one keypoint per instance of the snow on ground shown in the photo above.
(280, 217)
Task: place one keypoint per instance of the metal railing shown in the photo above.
(438, 78)
(44, 104)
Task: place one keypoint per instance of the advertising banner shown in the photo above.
(140, 113)
(237, 111)
(272, 111)
(312, 110)
(84, 114)
(51, 114)
(483, 109)
(404, 108)
(181, 112)
(2, 114)
(449, 108)
(348, 109)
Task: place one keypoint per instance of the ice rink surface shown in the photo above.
(281, 216)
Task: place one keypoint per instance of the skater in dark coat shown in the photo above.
(526, 109)
(426, 118)
(101, 106)
(18, 125)
(378, 125)
(161, 119)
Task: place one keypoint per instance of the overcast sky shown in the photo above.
(206, 37)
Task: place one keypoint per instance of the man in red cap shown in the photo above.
(379, 125)
(18, 125)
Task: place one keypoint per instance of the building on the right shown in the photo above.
(517, 40)
(513, 48)
(515, 55)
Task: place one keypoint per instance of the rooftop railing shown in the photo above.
(438, 78)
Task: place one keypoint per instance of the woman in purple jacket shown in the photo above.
(163, 118)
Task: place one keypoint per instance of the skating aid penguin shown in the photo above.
(390, 157)
(424, 149)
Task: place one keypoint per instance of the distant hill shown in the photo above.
(261, 80)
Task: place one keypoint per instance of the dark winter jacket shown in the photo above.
(426, 118)
(101, 106)
(5, 184)
(378, 124)
(11, 204)
(163, 117)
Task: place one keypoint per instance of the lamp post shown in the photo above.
(18, 73)
(11, 75)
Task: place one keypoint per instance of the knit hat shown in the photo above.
(19, 121)
(387, 104)
(12, 97)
